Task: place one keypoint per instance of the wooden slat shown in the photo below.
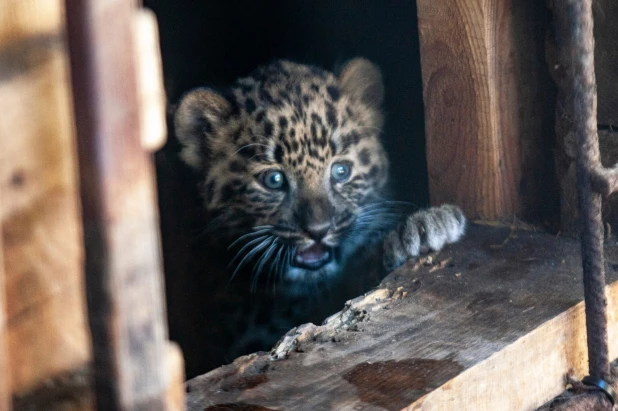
(123, 271)
(5, 382)
(47, 330)
(493, 323)
(486, 107)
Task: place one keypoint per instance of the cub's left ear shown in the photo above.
(362, 80)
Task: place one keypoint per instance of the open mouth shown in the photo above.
(313, 257)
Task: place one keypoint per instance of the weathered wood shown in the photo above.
(45, 308)
(123, 271)
(492, 323)
(5, 382)
(175, 396)
(486, 99)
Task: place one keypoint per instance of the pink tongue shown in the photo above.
(312, 254)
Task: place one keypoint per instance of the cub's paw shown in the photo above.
(422, 232)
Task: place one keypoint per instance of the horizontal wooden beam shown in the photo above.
(494, 322)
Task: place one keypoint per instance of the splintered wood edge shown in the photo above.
(531, 370)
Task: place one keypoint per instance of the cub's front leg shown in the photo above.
(422, 232)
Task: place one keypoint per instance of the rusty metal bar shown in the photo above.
(588, 159)
(593, 181)
(123, 269)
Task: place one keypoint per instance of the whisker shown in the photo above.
(246, 246)
(251, 254)
(274, 266)
(249, 145)
(248, 235)
(257, 270)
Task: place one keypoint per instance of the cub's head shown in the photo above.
(290, 163)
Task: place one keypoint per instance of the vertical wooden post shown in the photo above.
(123, 271)
(5, 372)
(46, 329)
(485, 107)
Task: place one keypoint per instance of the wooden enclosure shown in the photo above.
(46, 344)
(80, 269)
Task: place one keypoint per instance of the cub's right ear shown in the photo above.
(198, 115)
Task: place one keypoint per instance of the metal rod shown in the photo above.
(585, 100)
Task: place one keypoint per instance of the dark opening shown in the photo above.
(211, 43)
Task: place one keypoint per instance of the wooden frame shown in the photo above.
(487, 96)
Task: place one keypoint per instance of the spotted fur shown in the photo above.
(308, 128)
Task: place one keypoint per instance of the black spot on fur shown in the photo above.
(250, 105)
(279, 154)
(268, 129)
(365, 157)
(260, 117)
(292, 133)
(347, 140)
(333, 146)
(284, 95)
(315, 87)
(247, 151)
(373, 172)
(283, 122)
(237, 167)
(331, 116)
(266, 97)
(227, 192)
(333, 92)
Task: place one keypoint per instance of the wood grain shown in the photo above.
(47, 330)
(486, 117)
(492, 323)
(123, 266)
(5, 371)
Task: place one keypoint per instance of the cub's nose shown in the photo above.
(317, 231)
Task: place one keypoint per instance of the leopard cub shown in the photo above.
(293, 176)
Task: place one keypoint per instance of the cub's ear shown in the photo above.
(199, 113)
(362, 79)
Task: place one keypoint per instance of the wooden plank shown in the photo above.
(47, 330)
(123, 271)
(491, 323)
(486, 98)
(5, 382)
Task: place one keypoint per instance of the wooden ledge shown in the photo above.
(496, 320)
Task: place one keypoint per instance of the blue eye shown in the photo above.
(273, 179)
(340, 171)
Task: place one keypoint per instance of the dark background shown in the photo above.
(211, 43)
